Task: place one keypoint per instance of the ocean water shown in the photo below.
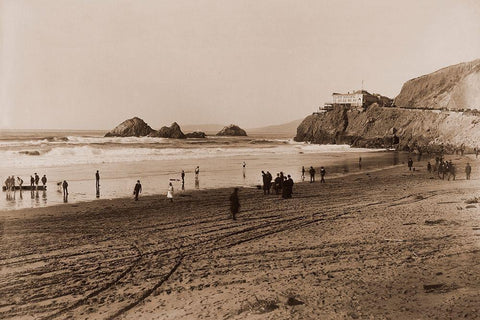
(76, 155)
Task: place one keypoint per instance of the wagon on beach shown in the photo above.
(27, 188)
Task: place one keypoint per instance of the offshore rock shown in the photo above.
(232, 130)
(173, 132)
(134, 127)
(196, 134)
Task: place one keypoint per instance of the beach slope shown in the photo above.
(388, 244)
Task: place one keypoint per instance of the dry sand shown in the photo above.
(390, 244)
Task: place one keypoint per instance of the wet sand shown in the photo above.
(389, 244)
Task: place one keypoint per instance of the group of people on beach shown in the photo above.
(10, 184)
(312, 173)
(281, 184)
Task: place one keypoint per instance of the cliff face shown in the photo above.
(454, 87)
(134, 127)
(378, 127)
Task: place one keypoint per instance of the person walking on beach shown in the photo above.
(183, 177)
(37, 179)
(65, 189)
(312, 174)
(137, 190)
(322, 174)
(44, 181)
(32, 182)
(468, 170)
(360, 163)
(244, 169)
(234, 203)
(410, 163)
(303, 173)
(170, 192)
(97, 181)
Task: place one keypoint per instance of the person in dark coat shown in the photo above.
(429, 167)
(287, 188)
(410, 163)
(37, 179)
(303, 173)
(276, 184)
(32, 181)
(468, 170)
(97, 181)
(234, 203)
(65, 188)
(312, 174)
(269, 180)
(137, 190)
(44, 180)
(265, 182)
(322, 174)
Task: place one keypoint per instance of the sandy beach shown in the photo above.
(385, 244)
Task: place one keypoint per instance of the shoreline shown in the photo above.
(177, 194)
(391, 243)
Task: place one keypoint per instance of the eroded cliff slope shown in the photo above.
(455, 87)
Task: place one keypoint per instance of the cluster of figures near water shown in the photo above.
(281, 185)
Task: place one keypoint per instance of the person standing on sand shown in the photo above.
(32, 182)
(468, 170)
(322, 174)
(312, 174)
(137, 190)
(234, 203)
(429, 167)
(410, 163)
(37, 179)
(360, 163)
(20, 182)
(197, 172)
(265, 183)
(244, 169)
(97, 181)
(170, 192)
(303, 173)
(276, 184)
(65, 188)
(44, 181)
(183, 177)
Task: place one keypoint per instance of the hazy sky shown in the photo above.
(90, 64)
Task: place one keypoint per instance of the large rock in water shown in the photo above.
(196, 134)
(134, 127)
(173, 132)
(383, 127)
(454, 87)
(232, 130)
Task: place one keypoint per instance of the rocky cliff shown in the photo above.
(455, 87)
(134, 127)
(232, 130)
(383, 127)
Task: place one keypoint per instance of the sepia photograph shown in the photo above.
(239, 159)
